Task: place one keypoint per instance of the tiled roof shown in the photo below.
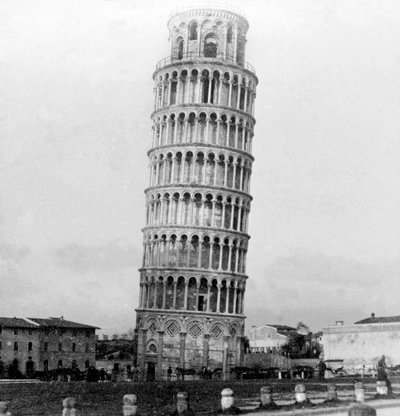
(60, 323)
(38, 322)
(379, 320)
(282, 327)
(16, 323)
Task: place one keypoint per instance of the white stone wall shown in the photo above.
(362, 344)
(264, 337)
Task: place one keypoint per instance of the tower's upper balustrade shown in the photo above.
(207, 33)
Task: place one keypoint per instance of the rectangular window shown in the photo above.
(29, 331)
(15, 346)
(29, 346)
(15, 331)
(59, 346)
(73, 347)
(46, 346)
(1, 329)
(1, 345)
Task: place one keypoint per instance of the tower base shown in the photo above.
(201, 344)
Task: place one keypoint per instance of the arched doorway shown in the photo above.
(29, 367)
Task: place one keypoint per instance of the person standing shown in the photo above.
(382, 374)
(321, 370)
(169, 373)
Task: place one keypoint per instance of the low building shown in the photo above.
(266, 338)
(359, 346)
(33, 344)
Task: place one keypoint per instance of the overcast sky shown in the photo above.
(76, 93)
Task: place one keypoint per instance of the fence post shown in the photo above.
(266, 395)
(69, 407)
(361, 410)
(4, 409)
(182, 405)
(227, 400)
(381, 388)
(130, 405)
(300, 393)
(331, 392)
(359, 392)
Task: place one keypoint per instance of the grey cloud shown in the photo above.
(320, 268)
(13, 253)
(112, 256)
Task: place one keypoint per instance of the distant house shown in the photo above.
(34, 344)
(267, 338)
(360, 345)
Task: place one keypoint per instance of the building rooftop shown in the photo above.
(378, 319)
(60, 323)
(282, 327)
(40, 322)
(16, 323)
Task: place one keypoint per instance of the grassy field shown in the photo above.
(154, 399)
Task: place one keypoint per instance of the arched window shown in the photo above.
(179, 48)
(229, 35)
(210, 46)
(193, 31)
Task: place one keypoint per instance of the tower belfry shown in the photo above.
(193, 277)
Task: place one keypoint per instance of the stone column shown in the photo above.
(246, 90)
(221, 245)
(167, 122)
(214, 202)
(208, 296)
(228, 132)
(219, 285)
(164, 293)
(234, 298)
(218, 128)
(182, 346)
(174, 296)
(199, 254)
(233, 205)
(228, 286)
(225, 364)
(186, 296)
(142, 363)
(159, 369)
(229, 257)
(239, 351)
(223, 214)
(162, 93)
(226, 163)
(206, 347)
(207, 129)
(187, 88)
(155, 293)
(230, 93)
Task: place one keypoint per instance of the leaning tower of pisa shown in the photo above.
(193, 277)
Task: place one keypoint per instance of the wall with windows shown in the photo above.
(41, 348)
(21, 344)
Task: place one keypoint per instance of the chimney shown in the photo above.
(372, 315)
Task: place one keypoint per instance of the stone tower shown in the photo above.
(193, 278)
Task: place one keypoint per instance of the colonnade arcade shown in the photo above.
(198, 209)
(209, 127)
(211, 169)
(205, 85)
(192, 293)
(210, 252)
